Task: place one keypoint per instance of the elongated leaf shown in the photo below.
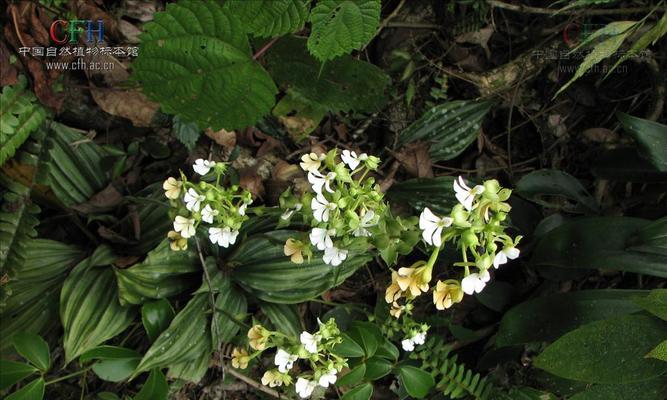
(32, 391)
(599, 242)
(34, 349)
(164, 273)
(156, 317)
(17, 223)
(650, 136)
(340, 26)
(155, 387)
(608, 351)
(284, 317)
(268, 18)
(434, 193)
(650, 37)
(655, 303)
(547, 318)
(231, 307)
(192, 370)
(12, 372)
(553, 182)
(450, 128)
(187, 337)
(624, 164)
(649, 390)
(195, 60)
(262, 268)
(89, 307)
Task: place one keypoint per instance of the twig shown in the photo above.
(254, 384)
(264, 48)
(413, 25)
(548, 11)
(16, 25)
(391, 16)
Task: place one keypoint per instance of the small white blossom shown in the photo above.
(366, 221)
(318, 181)
(202, 166)
(328, 379)
(193, 200)
(408, 344)
(475, 282)
(309, 341)
(184, 226)
(208, 214)
(334, 256)
(464, 194)
(351, 160)
(419, 338)
(321, 208)
(304, 387)
(508, 252)
(321, 238)
(284, 360)
(222, 236)
(310, 162)
(432, 226)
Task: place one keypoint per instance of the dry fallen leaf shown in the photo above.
(416, 160)
(104, 200)
(130, 104)
(226, 139)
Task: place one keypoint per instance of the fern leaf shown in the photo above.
(195, 61)
(20, 115)
(268, 18)
(17, 223)
(340, 26)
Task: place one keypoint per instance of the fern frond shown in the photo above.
(20, 115)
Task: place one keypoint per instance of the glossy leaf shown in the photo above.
(609, 351)
(377, 368)
(34, 349)
(435, 193)
(349, 347)
(354, 376)
(32, 391)
(650, 136)
(90, 320)
(367, 335)
(285, 317)
(361, 392)
(545, 319)
(156, 317)
(231, 307)
(12, 372)
(155, 387)
(415, 381)
(115, 363)
(553, 182)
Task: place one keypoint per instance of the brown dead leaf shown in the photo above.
(252, 182)
(222, 137)
(600, 135)
(286, 172)
(111, 236)
(142, 10)
(8, 71)
(102, 201)
(416, 160)
(480, 37)
(130, 104)
(85, 9)
(125, 262)
(129, 31)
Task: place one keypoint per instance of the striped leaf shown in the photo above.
(230, 304)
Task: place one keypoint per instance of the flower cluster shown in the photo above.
(476, 227)
(314, 349)
(223, 210)
(342, 206)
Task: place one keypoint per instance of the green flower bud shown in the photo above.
(460, 216)
(372, 163)
(469, 238)
(484, 262)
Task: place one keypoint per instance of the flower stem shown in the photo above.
(68, 376)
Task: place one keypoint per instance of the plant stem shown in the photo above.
(68, 376)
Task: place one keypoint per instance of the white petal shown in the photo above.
(427, 218)
(511, 252)
(499, 259)
(437, 237)
(407, 344)
(469, 283)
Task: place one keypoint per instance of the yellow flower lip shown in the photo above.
(293, 249)
(447, 293)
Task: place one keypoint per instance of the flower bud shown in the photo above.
(469, 238)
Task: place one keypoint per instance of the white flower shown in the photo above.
(318, 181)
(334, 256)
(207, 214)
(222, 236)
(475, 282)
(172, 188)
(288, 213)
(202, 166)
(321, 208)
(328, 379)
(320, 238)
(310, 162)
(242, 208)
(508, 252)
(185, 226)
(419, 338)
(408, 344)
(365, 222)
(432, 225)
(304, 387)
(351, 160)
(309, 341)
(464, 194)
(193, 200)
(284, 360)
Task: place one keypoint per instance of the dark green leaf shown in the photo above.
(651, 137)
(415, 381)
(387, 350)
(659, 352)
(624, 164)
(552, 182)
(654, 389)
(155, 387)
(34, 349)
(12, 372)
(156, 317)
(32, 391)
(655, 303)
(349, 348)
(377, 367)
(285, 317)
(231, 307)
(435, 193)
(107, 396)
(355, 375)
(547, 318)
(367, 335)
(186, 132)
(362, 392)
(524, 393)
(268, 18)
(115, 363)
(609, 351)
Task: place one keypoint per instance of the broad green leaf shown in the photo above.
(186, 132)
(387, 350)
(625, 165)
(262, 268)
(648, 390)
(156, 317)
(231, 306)
(187, 337)
(449, 127)
(610, 38)
(652, 238)
(89, 320)
(285, 317)
(20, 115)
(552, 182)
(354, 376)
(377, 368)
(340, 85)
(415, 381)
(655, 303)
(524, 393)
(195, 61)
(361, 392)
(367, 335)
(155, 387)
(650, 136)
(659, 352)
(349, 347)
(34, 349)
(435, 193)
(340, 26)
(268, 18)
(545, 319)
(32, 391)
(192, 370)
(107, 396)
(609, 351)
(115, 363)
(12, 372)
(164, 273)
(601, 243)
